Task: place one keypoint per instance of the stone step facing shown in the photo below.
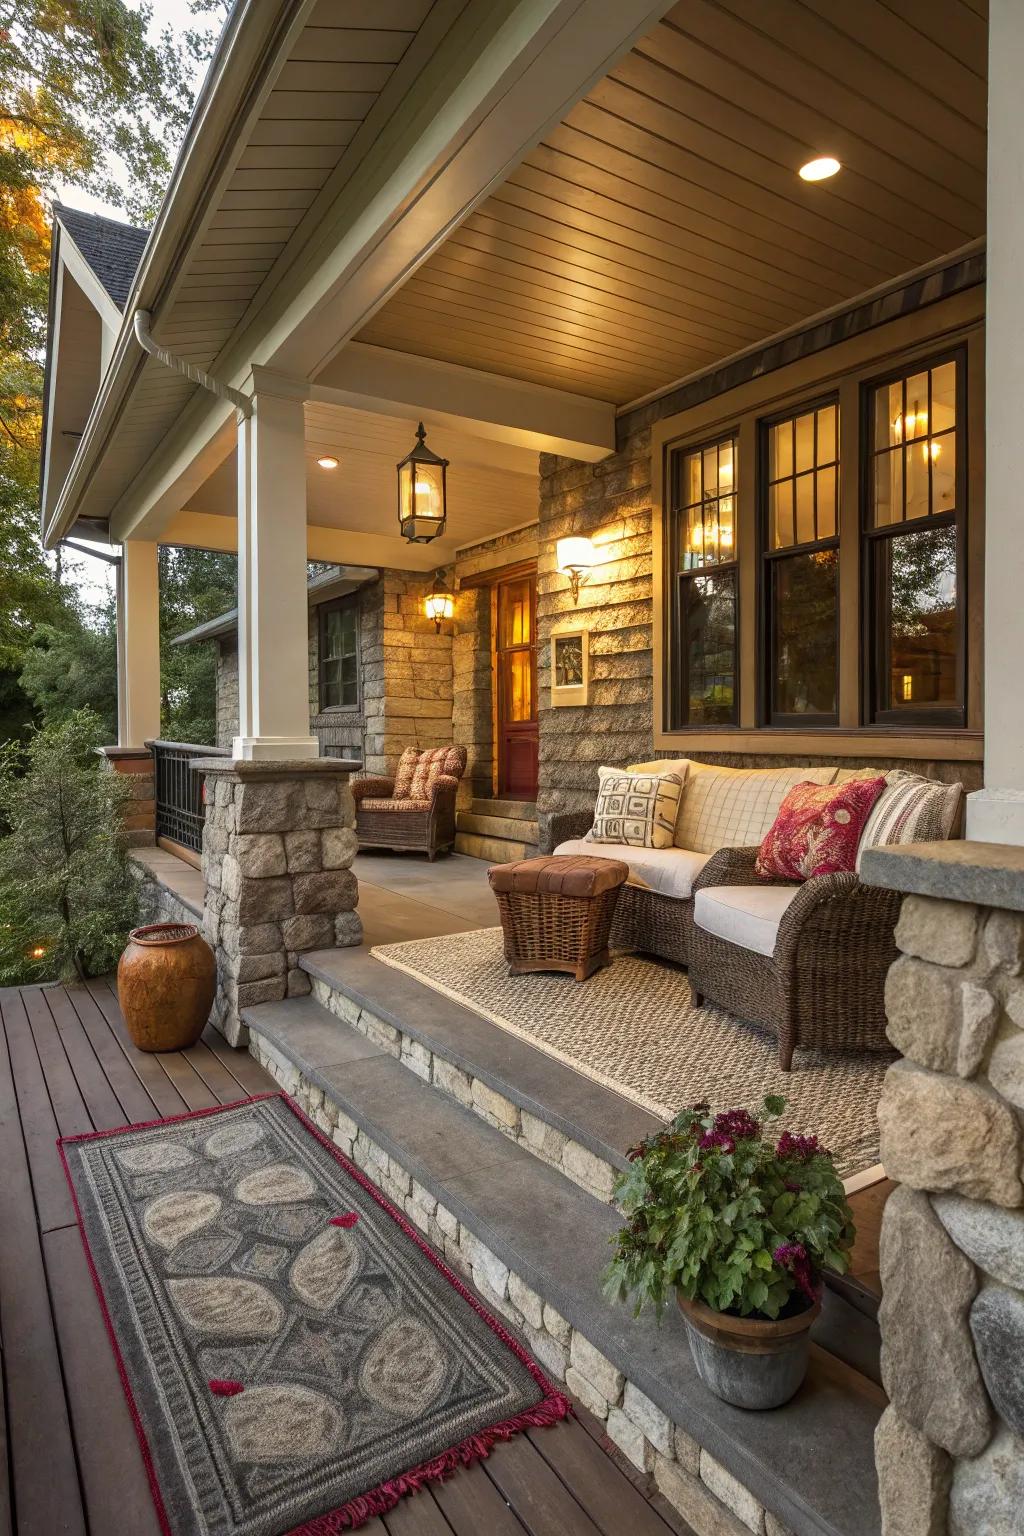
(496, 850)
(516, 810)
(565, 1120)
(535, 1244)
(507, 827)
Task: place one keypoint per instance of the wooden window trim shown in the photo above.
(336, 605)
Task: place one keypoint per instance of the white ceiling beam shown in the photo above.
(505, 72)
(488, 405)
(206, 530)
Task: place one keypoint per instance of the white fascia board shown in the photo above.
(87, 280)
(488, 405)
(484, 99)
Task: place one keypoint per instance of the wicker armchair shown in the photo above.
(645, 921)
(424, 825)
(824, 985)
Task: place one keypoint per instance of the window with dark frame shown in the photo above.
(339, 654)
(914, 531)
(800, 558)
(704, 670)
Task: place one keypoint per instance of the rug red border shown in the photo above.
(554, 1405)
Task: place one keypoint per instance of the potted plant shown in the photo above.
(737, 1218)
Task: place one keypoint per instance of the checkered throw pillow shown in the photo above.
(638, 809)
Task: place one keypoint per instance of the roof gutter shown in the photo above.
(195, 375)
(246, 56)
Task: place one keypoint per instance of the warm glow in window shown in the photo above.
(803, 462)
(915, 446)
(708, 512)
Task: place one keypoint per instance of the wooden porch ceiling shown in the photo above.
(661, 226)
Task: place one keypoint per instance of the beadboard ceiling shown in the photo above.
(662, 226)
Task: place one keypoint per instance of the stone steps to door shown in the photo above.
(512, 828)
(500, 831)
(514, 810)
(503, 1217)
(496, 850)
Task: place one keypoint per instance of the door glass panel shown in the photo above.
(520, 690)
(516, 616)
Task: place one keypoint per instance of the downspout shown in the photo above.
(144, 336)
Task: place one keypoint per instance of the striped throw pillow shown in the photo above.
(637, 809)
(911, 810)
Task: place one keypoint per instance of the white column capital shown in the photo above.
(267, 381)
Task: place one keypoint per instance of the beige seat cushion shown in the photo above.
(747, 915)
(669, 871)
(734, 807)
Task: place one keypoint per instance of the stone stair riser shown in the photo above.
(533, 1134)
(516, 810)
(703, 1491)
(497, 826)
(495, 850)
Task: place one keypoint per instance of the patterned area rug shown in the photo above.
(295, 1357)
(634, 1028)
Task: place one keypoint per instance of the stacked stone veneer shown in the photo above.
(544, 1141)
(277, 845)
(950, 1448)
(134, 767)
(706, 1493)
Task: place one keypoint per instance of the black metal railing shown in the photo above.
(180, 805)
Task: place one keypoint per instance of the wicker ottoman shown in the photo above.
(556, 913)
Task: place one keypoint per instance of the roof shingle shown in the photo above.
(113, 250)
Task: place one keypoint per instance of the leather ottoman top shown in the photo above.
(561, 875)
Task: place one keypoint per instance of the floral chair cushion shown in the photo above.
(817, 830)
(404, 772)
(417, 771)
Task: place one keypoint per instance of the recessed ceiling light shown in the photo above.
(820, 169)
(327, 461)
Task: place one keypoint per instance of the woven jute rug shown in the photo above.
(633, 1027)
(295, 1357)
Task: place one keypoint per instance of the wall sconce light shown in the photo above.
(422, 492)
(439, 603)
(576, 558)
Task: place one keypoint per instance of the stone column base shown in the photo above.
(277, 845)
(996, 816)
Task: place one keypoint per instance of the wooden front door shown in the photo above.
(516, 686)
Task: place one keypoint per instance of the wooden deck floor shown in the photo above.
(70, 1462)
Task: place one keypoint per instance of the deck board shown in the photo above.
(70, 1463)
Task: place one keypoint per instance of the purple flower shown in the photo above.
(738, 1124)
(793, 1257)
(716, 1139)
(801, 1147)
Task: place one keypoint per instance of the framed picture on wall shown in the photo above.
(570, 667)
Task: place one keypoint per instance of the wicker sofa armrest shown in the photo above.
(732, 866)
(839, 910)
(378, 788)
(445, 784)
(568, 824)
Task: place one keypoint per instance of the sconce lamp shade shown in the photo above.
(439, 603)
(576, 558)
(422, 492)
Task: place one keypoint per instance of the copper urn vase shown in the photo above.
(166, 981)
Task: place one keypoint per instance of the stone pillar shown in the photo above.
(996, 813)
(277, 846)
(950, 1448)
(138, 644)
(273, 649)
(138, 813)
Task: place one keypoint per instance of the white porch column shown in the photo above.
(138, 644)
(273, 646)
(995, 814)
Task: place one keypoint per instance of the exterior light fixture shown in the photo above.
(422, 492)
(327, 461)
(820, 169)
(439, 603)
(575, 557)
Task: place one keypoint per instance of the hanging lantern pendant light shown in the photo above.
(422, 492)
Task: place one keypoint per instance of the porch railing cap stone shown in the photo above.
(989, 874)
(283, 768)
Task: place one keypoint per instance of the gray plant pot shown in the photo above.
(745, 1361)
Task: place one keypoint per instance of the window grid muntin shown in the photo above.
(709, 504)
(338, 670)
(812, 473)
(907, 443)
(681, 551)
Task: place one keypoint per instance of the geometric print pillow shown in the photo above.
(638, 809)
(911, 810)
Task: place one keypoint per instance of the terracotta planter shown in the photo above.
(166, 980)
(746, 1361)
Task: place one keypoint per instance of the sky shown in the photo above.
(94, 578)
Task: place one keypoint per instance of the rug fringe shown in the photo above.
(348, 1517)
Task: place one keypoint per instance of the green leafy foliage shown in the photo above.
(67, 893)
(731, 1212)
(195, 585)
(72, 666)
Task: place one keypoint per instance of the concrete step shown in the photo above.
(518, 810)
(496, 850)
(503, 1218)
(511, 828)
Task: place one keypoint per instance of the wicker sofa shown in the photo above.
(415, 817)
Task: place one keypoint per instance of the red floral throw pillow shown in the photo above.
(817, 830)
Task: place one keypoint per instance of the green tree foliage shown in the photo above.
(73, 665)
(67, 894)
(195, 585)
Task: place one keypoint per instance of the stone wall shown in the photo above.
(227, 690)
(277, 848)
(950, 1448)
(134, 765)
(407, 666)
